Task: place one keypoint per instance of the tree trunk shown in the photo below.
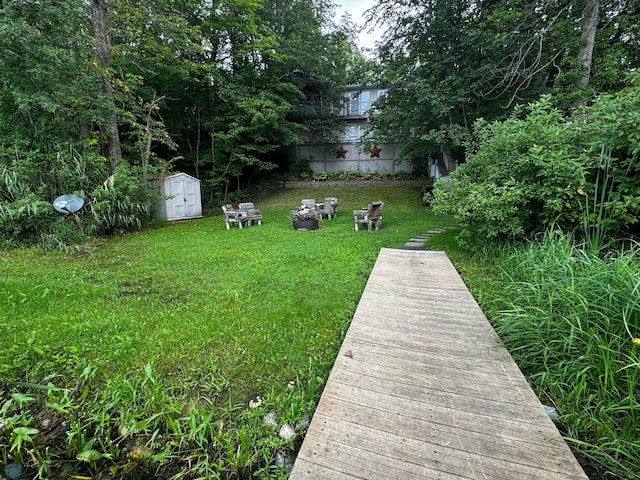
(585, 52)
(99, 8)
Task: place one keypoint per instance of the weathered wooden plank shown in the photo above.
(315, 469)
(447, 385)
(457, 325)
(457, 400)
(449, 338)
(495, 444)
(442, 367)
(442, 415)
(425, 359)
(374, 446)
(451, 347)
(422, 388)
(360, 463)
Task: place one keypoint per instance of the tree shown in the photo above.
(145, 84)
(103, 48)
(588, 37)
(314, 56)
(450, 62)
(53, 111)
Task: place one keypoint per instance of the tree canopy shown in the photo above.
(122, 91)
(449, 62)
(95, 94)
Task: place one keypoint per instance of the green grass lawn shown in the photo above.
(240, 311)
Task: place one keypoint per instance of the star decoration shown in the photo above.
(375, 152)
(342, 153)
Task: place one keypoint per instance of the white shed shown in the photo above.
(182, 199)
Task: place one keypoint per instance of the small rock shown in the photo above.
(255, 402)
(303, 423)
(45, 423)
(281, 460)
(286, 432)
(140, 452)
(284, 460)
(552, 412)
(291, 384)
(270, 420)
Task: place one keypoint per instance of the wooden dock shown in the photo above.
(422, 389)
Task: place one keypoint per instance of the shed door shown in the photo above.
(186, 198)
(178, 207)
(191, 199)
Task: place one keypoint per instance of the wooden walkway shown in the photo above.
(422, 389)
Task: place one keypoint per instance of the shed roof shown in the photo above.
(181, 174)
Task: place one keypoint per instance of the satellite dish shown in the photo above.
(68, 203)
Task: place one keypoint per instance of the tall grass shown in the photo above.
(570, 316)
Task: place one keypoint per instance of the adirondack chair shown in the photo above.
(371, 216)
(252, 213)
(328, 208)
(309, 203)
(232, 215)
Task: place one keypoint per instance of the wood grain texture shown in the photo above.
(423, 389)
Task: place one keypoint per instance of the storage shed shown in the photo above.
(182, 199)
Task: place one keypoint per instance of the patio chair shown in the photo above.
(309, 203)
(251, 212)
(371, 216)
(231, 216)
(328, 208)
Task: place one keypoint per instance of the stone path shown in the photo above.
(417, 243)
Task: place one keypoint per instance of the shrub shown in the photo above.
(320, 176)
(30, 181)
(25, 218)
(123, 202)
(345, 175)
(540, 168)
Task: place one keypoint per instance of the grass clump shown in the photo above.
(136, 359)
(570, 316)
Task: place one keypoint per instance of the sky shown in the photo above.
(357, 8)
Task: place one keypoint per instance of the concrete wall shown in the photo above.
(322, 158)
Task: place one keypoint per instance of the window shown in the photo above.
(351, 133)
(365, 101)
(354, 105)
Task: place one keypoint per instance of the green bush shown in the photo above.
(320, 176)
(25, 218)
(123, 202)
(540, 168)
(30, 181)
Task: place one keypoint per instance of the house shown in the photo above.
(350, 152)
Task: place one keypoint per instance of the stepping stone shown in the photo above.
(415, 245)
